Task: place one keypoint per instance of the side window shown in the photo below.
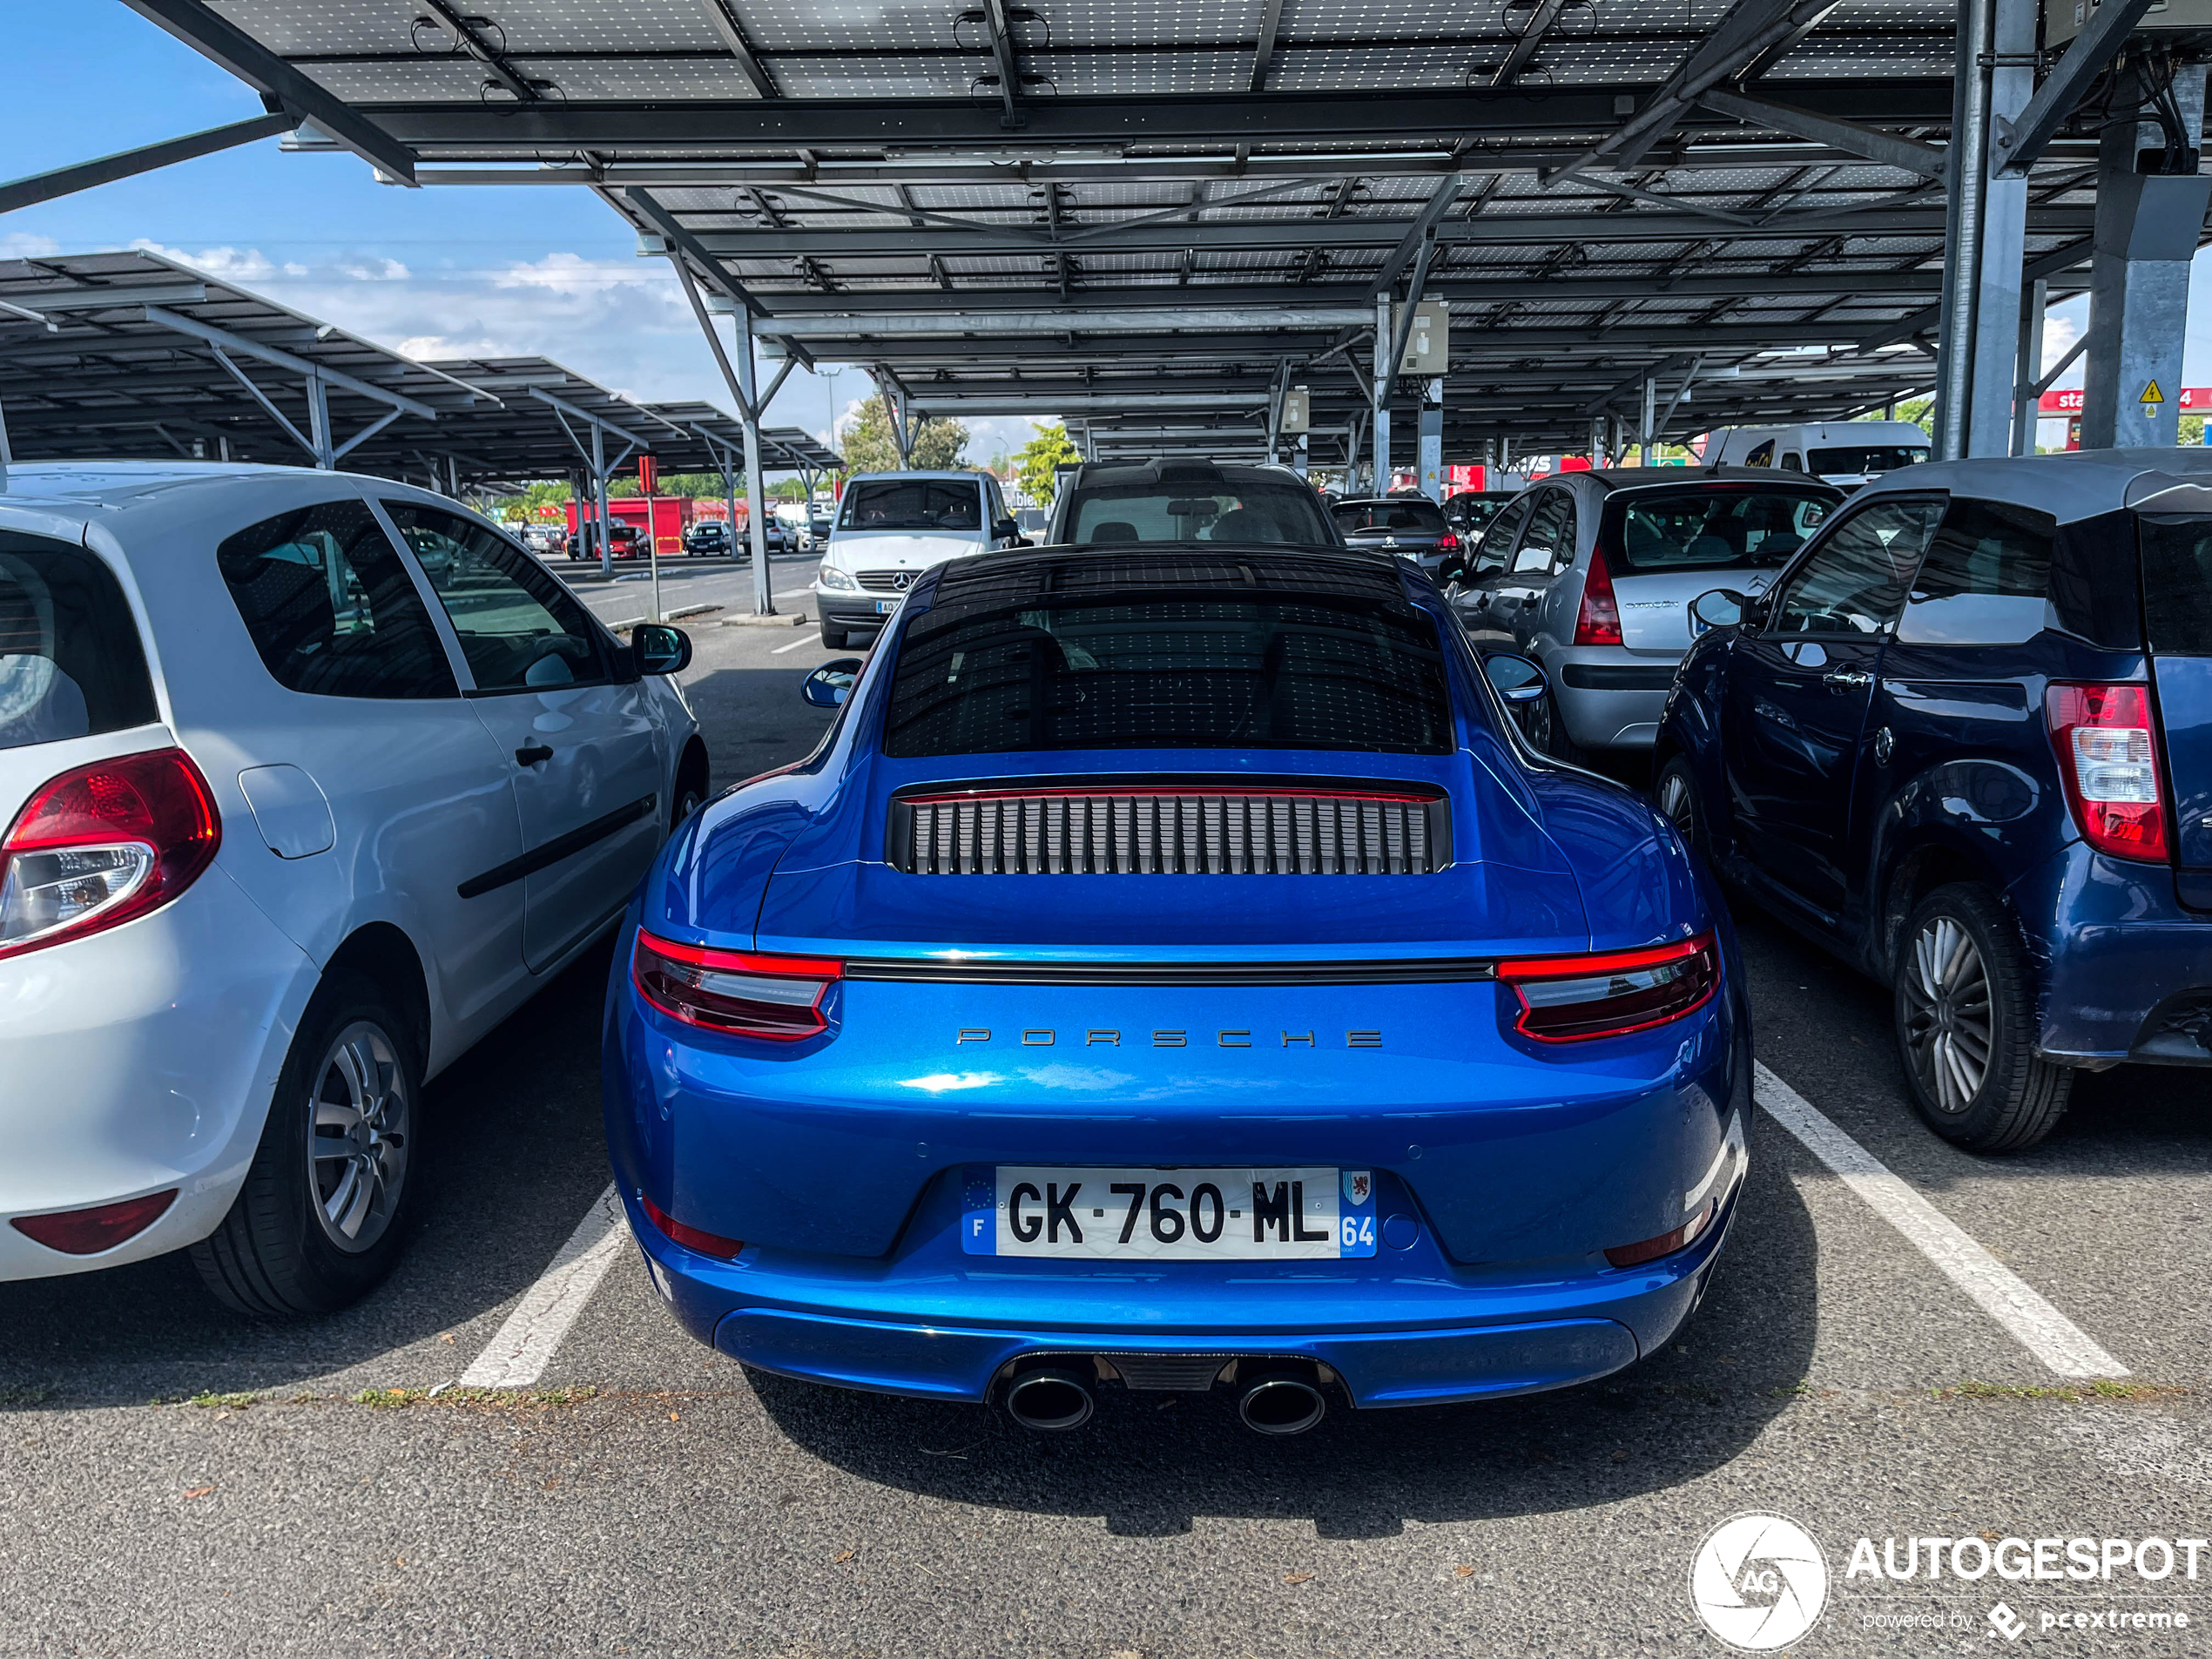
(1986, 580)
(1535, 554)
(71, 663)
(1497, 539)
(519, 629)
(1563, 551)
(330, 607)
(1761, 456)
(1855, 582)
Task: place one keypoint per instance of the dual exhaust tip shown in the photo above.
(1052, 1399)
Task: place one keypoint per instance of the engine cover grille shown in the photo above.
(888, 581)
(1171, 830)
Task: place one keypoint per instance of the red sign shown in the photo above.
(648, 474)
(2195, 400)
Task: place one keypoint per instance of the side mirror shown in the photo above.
(1006, 529)
(1520, 680)
(830, 685)
(1718, 608)
(1453, 568)
(658, 649)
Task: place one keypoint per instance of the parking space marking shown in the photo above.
(780, 649)
(2001, 1293)
(518, 1355)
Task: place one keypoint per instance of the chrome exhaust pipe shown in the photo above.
(1281, 1402)
(1050, 1400)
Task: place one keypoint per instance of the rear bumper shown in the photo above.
(1610, 697)
(1406, 1329)
(2126, 970)
(139, 1059)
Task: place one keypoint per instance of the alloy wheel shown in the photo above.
(1676, 803)
(357, 1148)
(1948, 1023)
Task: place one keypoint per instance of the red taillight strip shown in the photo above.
(1614, 961)
(726, 1010)
(705, 1242)
(744, 962)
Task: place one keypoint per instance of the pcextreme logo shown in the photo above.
(1758, 1581)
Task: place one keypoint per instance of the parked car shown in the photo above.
(1410, 526)
(1846, 453)
(1066, 1019)
(892, 527)
(821, 519)
(1590, 573)
(1110, 502)
(1470, 511)
(289, 828)
(1965, 740)
(709, 538)
(627, 541)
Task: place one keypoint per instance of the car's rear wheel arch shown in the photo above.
(384, 956)
(1917, 869)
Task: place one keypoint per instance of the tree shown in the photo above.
(938, 446)
(1034, 465)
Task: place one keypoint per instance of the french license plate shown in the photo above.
(1169, 1214)
(885, 607)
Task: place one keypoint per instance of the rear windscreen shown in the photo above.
(71, 663)
(1420, 516)
(912, 504)
(1708, 526)
(2177, 585)
(1292, 672)
(1856, 458)
(1250, 512)
(1475, 512)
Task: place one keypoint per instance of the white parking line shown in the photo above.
(2001, 1293)
(518, 1355)
(780, 649)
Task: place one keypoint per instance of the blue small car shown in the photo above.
(1964, 741)
(1172, 971)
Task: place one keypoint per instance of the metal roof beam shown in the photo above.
(224, 338)
(126, 163)
(971, 318)
(1749, 28)
(1908, 155)
(1243, 236)
(1524, 50)
(219, 39)
(1270, 20)
(725, 19)
(999, 26)
(2019, 142)
(1430, 116)
(465, 37)
(1419, 236)
(50, 301)
(578, 413)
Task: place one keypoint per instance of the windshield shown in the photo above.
(1290, 671)
(912, 504)
(1880, 457)
(1257, 510)
(1476, 511)
(1421, 517)
(1708, 526)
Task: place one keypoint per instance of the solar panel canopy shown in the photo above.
(1150, 217)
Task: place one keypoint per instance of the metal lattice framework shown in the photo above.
(1153, 218)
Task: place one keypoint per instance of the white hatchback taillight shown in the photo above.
(103, 844)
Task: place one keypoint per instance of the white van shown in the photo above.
(1849, 452)
(890, 528)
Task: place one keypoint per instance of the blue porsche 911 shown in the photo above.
(1173, 971)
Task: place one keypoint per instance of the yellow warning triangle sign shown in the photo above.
(2152, 394)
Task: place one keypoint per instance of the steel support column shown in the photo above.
(1381, 400)
(2028, 395)
(1430, 459)
(1985, 236)
(602, 529)
(1647, 454)
(2147, 225)
(764, 592)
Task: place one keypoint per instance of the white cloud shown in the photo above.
(379, 269)
(22, 245)
(572, 273)
(225, 264)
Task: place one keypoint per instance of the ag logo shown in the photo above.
(1758, 1581)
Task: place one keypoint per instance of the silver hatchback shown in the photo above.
(1591, 573)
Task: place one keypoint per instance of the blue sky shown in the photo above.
(431, 272)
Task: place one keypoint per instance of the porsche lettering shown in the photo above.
(1237, 1037)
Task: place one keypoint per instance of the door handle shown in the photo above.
(1847, 680)
(530, 753)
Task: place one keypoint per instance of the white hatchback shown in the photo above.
(309, 780)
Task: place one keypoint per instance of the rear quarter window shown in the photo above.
(71, 664)
(2177, 583)
(1986, 579)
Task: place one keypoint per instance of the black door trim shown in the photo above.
(558, 848)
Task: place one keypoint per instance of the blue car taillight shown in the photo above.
(1609, 993)
(740, 993)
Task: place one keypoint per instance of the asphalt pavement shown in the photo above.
(173, 1480)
